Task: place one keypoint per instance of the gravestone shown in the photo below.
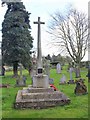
(20, 80)
(63, 80)
(58, 68)
(71, 81)
(47, 68)
(39, 94)
(70, 71)
(80, 88)
(33, 70)
(51, 81)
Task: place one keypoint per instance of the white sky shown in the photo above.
(43, 9)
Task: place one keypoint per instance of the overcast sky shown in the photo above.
(43, 9)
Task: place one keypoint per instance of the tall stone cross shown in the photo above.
(39, 52)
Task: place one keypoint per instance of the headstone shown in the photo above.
(20, 80)
(80, 88)
(58, 67)
(63, 80)
(33, 70)
(51, 81)
(47, 68)
(71, 81)
(70, 71)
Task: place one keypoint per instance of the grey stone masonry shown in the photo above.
(40, 81)
(39, 98)
(39, 51)
(39, 90)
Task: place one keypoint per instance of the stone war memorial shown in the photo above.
(39, 94)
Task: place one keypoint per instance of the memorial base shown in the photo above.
(38, 98)
(40, 81)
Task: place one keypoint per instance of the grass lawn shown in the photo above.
(78, 108)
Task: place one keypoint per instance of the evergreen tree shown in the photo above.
(16, 38)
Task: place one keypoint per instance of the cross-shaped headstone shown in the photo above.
(39, 52)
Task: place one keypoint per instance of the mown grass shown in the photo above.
(78, 108)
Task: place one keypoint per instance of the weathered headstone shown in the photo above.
(80, 88)
(70, 71)
(58, 68)
(71, 81)
(63, 80)
(47, 68)
(33, 69)
(51, 81)
(20, 80)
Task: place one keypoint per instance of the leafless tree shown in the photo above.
(71, 32)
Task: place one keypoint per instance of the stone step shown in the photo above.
(42, 100)
(31, 89)
(40, 90)
(45, 95)
(41, 103)
(37, 101)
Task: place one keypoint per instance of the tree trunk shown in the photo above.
(15, 69)
(77, 71)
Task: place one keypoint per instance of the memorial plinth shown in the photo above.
(39, 98)
(40, 81)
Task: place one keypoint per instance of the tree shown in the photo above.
(16, 36)
(70, 32)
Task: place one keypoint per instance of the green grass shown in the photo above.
(78, 108)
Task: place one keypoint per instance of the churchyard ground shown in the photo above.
(78, 108)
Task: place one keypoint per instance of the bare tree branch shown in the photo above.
(71, 31)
